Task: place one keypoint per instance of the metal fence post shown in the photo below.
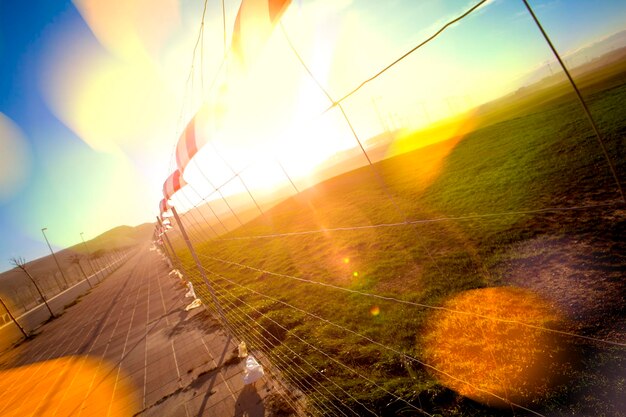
(582, 101)
(89, 256)
(169, 244)
(158, 240)
(84, 274)
(199, 266)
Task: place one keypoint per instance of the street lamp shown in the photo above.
(43, 231)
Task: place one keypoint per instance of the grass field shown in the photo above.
(516, 216)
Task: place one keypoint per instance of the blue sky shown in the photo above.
(63, 174)
(23, 27)
(69, 184)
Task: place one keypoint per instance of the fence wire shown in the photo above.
(295, 358)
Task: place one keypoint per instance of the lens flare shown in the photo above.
(490, 361)
(441, 138)
(14, 158)
(66, 385)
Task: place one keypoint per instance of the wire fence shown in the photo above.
(340, 285)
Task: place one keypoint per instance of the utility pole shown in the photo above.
(43, 231)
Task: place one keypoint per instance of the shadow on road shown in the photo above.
(249, 403)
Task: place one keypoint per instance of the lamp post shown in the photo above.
(43, 231)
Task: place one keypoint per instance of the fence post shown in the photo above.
(56, 281)
(89, 259)
(85, 275)
(173, 254)
(582, 101)
(199, 266)
(158, 240)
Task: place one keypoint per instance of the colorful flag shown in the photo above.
(163, 206)
(254, 25)
(172, 184)
(193, 138)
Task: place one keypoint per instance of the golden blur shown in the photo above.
(375, 311)
(111, 104)
(69, 386)
(484, 359)
(130, 28)
(115, 92)
(129, 91)
(445, 135)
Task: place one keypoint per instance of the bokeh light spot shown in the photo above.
(66, 385)
(14, 158)
(484, 359)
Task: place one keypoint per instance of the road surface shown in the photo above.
(129, 348)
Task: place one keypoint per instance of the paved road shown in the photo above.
(32, 319)
(129, 348)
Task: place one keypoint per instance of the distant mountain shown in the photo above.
(599, 49)
(44, 268)
(608, 63)
(122, 236)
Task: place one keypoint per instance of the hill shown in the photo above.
(17, 290)
(121, 237)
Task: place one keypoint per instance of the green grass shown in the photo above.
(528, 153)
